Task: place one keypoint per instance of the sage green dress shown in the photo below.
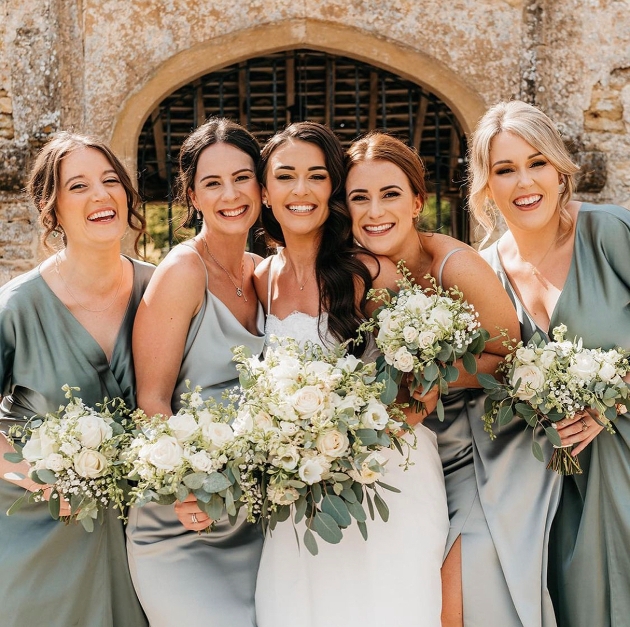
(183, 577)
(50, 573)
(589, 574)
(501, 503)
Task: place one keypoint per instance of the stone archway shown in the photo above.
(186, 66)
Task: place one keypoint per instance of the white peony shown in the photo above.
(184, 426)
(90, 464)
(532, 380)
(332, 443)
(166, 453)
(375, 416)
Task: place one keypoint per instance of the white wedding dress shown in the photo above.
(390, 580)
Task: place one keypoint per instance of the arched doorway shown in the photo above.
(267, 92)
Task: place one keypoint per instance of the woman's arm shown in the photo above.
(172, 298)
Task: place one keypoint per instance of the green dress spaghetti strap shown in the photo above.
(55, 574)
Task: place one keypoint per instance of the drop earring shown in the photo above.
(562, 186)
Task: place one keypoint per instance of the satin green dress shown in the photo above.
(183, 577)
(55, 574)
(589, 548)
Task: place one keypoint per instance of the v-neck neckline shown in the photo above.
(62, 306)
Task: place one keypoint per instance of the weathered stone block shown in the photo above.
(593, 171)
(12, 168)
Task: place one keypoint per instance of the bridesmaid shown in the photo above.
(69, 321)
(564, 261)
(313, 288)
(200, 303)
(386, 192)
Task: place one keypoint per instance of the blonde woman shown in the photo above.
(565, 261)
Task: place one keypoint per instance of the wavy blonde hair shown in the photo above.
(534, 127)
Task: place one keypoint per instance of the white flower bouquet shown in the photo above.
(545, 382)
(421, 333)
(78, 451)
(319, 429)
(193, 452)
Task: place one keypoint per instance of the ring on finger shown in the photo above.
(584, 425)
(193, 517)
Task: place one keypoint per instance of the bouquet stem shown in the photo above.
(563, 462)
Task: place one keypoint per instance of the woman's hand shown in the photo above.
(190, 515)
(579, 430)
(429, 402)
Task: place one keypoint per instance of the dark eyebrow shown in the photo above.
(290, 167)
(536, 154)
(383, 189)
(216, 176)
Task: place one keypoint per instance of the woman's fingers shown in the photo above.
(190, 515)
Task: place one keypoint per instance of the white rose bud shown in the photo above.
(201, 461)
(219, 433)
(332, 443)
(55, 462)
(532, 380)
(426, 339)
(90, 464)
(410, 334)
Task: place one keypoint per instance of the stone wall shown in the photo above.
(101, 66)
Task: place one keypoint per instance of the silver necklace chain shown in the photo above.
(239, 290)
(76, 300)
(535, 270)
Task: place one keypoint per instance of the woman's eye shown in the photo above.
(358, 198)
(243, 177)
(319, 177)
(112, 181)
(391, 194)
(539, 164)
(504, 171)
(283, 177)
(77, 186)
(212, 183)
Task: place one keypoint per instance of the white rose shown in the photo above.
(584, 366)
(417, 303)
(90, 464)
(387, 327)
(93, 430)
(166, 453)
(32, 450)
(264, 422)
(308, 400)
(410, 334)
(532, 380)
(201, 461)
(320, 369)
(526, 355)
(332, 443)
(390, 354)
(286, 372)
(546, 358)
(608, 373)
(311, 470)
(371, 469)
(403, 360)
(184, 426)
(426, 339)
(375, 416)
(287, 457)
(219, 433)
(442, 316)
(55, 462)
(282, 496)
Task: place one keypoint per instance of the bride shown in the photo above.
(312, 290)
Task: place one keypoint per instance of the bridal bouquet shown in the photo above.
(319, 428)
(423, 332)
(193, 452)
(545, 382)
(78, 451)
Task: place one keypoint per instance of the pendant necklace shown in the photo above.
(535, 270)
(239, 290)
(76, 300)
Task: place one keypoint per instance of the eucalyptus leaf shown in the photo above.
(88, 524)
(487, 381)
(45, 475)
(13, 457)
(216, 482)
(368, 498)
(470, 363)
(316, 491)
(390, 391)
(194, 480)
(440, 409)
(230, 508)
(367, 436)
(537, 451)
(327, 528)
(381, 506)
(363, 529)
(349, 496)
(505, 415)
(18, 504)
(356, 511)
(54, 505)
(452, 374)
(283, 513)
(214, 508)
(310, 543)
(300, 509)
(337, 508)
(553, 436)
(386, 486)
(431, 371)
